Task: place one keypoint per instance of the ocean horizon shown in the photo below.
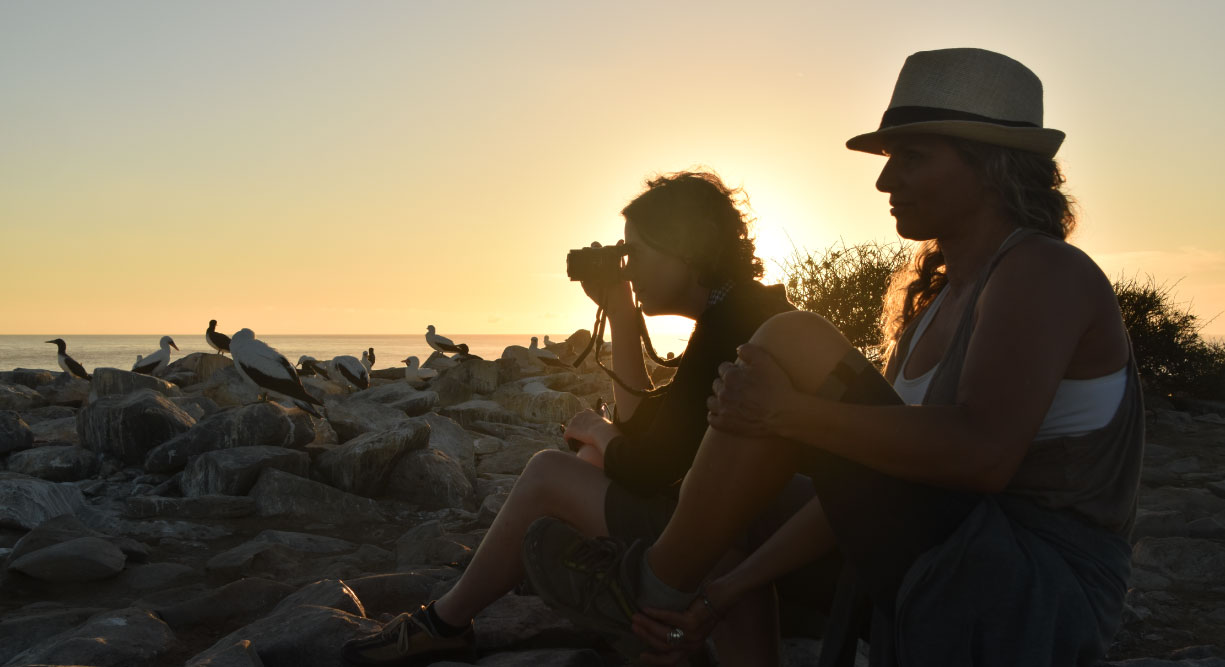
(120, 351)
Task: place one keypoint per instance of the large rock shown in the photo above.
(518, 620)
(129, 427)
(66, 390)
(30, 377)
(432, 479)
(235, 604)
(200, 364)
(514, 455)
(31, 626)
(324, 593)
(65, 528)
(116, 382)
(305, 542)
(234, 471)
(56, 463)
(428, 544)
(393, 593)
(26, 502)
(82, 559)
(198, 507)
(1185, 563)
(352, 416)
(480, 375)
(303, 636)
(470, 412)
(403, 397)
(121, 638)
(62, 431)
(362, 465)
(447, 436)
(15, 434)
(534, 401)
(19, 397)
(257, 424)
(279, 493)
(228, 389)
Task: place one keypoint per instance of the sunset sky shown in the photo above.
(374, 167)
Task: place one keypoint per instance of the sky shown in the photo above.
(374, 167)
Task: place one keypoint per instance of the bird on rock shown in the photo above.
(265, 368)
(308, 365)
(154, 363)
(545, 356)
(415, 373)
(348, 369)
(462, 353)
(215, 339)
(439, 343)
(67, 363)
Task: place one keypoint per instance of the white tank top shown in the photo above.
(1079, 406)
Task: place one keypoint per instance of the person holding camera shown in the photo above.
(687, 252)
(982, 491)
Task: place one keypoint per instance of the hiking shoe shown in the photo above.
(409, 640)
(593, 582)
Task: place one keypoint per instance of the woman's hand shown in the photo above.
(590, 429)
(653, 625)
(615, 298)
(749, 395)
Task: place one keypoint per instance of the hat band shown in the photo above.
(896, 116)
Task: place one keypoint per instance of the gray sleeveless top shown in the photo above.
(1095, 475)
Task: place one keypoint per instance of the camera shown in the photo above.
(600, 264)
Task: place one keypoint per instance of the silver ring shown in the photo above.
(675, 636)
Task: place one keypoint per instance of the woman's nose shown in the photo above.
(885, 182)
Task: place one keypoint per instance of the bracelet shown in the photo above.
(708, 604)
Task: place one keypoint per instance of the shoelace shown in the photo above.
(600, 557)
(401, 628)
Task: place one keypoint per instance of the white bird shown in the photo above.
(308, 365)
(67, 363)
(215, 339)
(265, 368)
(348, 369)
(439, 343)
(415, 373)
(545, 356)
(366, 360)
(154, 363)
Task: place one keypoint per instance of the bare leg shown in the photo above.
(748, 633)
(555, 484)
(735, 478)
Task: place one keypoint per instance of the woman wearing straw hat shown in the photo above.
(982, 490)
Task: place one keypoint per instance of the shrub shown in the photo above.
(846, 285)
(1173, 358)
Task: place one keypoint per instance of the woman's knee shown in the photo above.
(806, 345)
(550, 475)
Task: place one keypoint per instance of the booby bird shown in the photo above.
(461, 353)
(415, 373)
(368, 359)
(67, 363)
(308, 365)
(348, 369)
(154, 363)
(215, 339)
(264, 367)
(371, 366)
(539, 353)
(439, 343)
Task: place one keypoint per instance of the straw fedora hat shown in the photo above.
(968, 93)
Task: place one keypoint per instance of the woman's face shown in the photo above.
(661, 281)
(933, 191)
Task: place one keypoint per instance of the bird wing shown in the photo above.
(268, 369)
(146, 365)
(220, 340)
(442, 343)
(74, 368)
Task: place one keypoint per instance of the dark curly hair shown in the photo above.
(1030, 191)
(694, 216)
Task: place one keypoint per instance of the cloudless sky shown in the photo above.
(374, 167)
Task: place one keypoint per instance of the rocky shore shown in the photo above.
(177, 520)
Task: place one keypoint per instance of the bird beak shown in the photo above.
(176, 347)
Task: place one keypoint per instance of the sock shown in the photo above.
(653, 592)
(443, 628)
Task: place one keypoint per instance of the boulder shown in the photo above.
(279, 493)
(66, 390)
(257, 424)
(61, 431)
(362, 465)
(197, 406)
(30, 377)
(228, 389)
(431, 479)
(200, 364)
(234, 471)
(81, 559)
(451, 391)
(304, 636)
(1187, 564)
(129, 427)
(55, 463)
(428, 544)
(235, 604)
(403, 397)
(66, 528)
(112, 638)
(523, 619)
(352, 416)
(197, 507)
(470, 412)
(15, 434)
(19, 397)
(305, 542)
(393, 593)
(32, 626)
(449, 437)
(48, 412)
(511, 459)
(26, 502)
(479, 375)
(537, 403)
(324, 593)
(116, 382)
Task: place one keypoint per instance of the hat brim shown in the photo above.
(1041, 140)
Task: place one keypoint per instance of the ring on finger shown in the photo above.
(675, 636)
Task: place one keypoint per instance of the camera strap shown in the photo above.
(597, 342)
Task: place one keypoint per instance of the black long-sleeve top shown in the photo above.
(658, 443)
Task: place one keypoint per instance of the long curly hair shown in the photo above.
(1030, 190)
(695, 216)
